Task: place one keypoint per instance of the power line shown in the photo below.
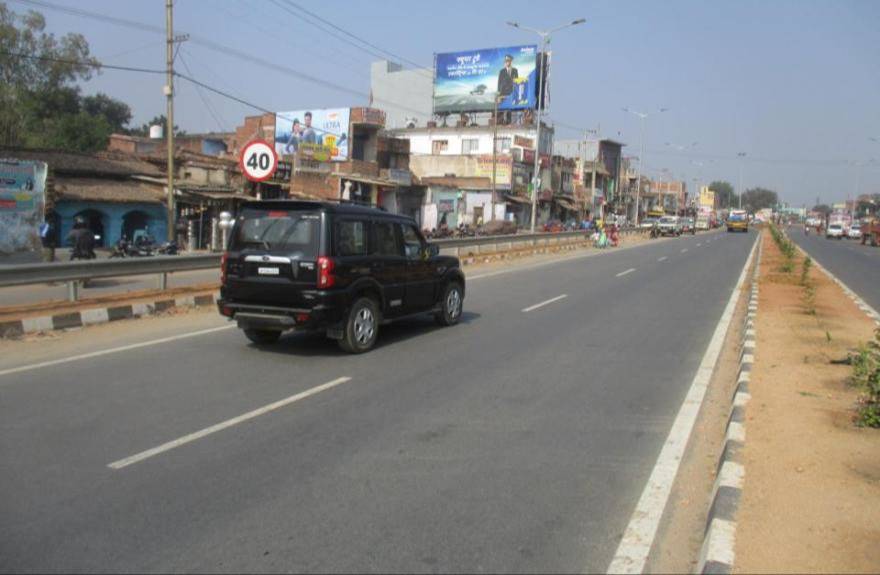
(88, 63)
(202, 97)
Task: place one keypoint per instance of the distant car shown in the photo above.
(854, 232)
(648, 223)
(479, 90)
(669, 226)
(738, 221)
(688, 226)
(834, 231)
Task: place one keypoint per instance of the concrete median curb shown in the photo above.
(98, 315)
(717, 552)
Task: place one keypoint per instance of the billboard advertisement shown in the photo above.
(469, 81)
(503, 168)
(22, 200)
(320, 135)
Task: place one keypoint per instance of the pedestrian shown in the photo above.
(48, 235)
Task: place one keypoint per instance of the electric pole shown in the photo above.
(169, 116)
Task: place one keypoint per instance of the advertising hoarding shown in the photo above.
(503, 168)
(707, 197)
(320, 135)
(469, 81)
(22, 201)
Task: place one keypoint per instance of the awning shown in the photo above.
(212, 196)
(368, 180)
(566, 204)
(517, 199)
(108, 190)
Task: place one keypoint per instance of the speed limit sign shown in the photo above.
(258, 160)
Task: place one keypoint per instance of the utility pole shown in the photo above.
(169, 116)
(740, 155)
(495, 156)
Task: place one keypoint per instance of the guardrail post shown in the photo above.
(163, 281)
(73, 290)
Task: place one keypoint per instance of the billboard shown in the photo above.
(707, 197)
(503, 168)
(22, 200)
(320, 135)
(469, 81)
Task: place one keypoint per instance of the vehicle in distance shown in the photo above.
(688, 226)
(703, 222)
(648, 223)
(669, 226)
(834, 231)
(854, 231)
(738, 221)
(338, 269)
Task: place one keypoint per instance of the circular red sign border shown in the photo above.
(244, 152)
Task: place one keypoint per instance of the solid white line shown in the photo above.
(632, 553)
(112, 350)
(623, 273)
(543, 303)
(225, 424)
(698, 245)
(684, 250)
(664, 258)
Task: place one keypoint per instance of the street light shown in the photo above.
(545, 39)
(642, 117)
(740, 155)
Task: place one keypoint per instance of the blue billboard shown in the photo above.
(469, 81)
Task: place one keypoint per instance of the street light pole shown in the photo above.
(642, 116)
(495, 157)
(545, 35)
(740, 155)
(169, 115)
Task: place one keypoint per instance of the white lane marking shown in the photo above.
(632, 553)
(112, 350)
(543, 303)
(225, 424)
(623, 273)
(663, 259)
(698, 245)
(684, 250)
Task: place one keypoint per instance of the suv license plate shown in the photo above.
(267, 271)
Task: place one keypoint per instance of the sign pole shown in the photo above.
(169, 124)
(537, 173)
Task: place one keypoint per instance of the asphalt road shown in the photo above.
(516, 441)
(855, 265)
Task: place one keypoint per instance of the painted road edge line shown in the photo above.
(663, 259)
(862, 304)
(543, 303)
(717, 553)
(632, 553)
(624, 272)
(119, 349)
(168, 446)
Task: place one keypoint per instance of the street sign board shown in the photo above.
(258, 160)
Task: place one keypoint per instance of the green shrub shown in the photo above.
(866, 376)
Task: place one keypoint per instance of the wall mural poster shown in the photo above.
(22, 205)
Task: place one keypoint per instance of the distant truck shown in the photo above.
(871, 231)
(703, 222)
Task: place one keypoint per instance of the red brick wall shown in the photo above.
(253, 127)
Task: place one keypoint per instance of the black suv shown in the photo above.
(342, 269)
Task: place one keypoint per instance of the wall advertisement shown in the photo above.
(320, 135)
(22, 204)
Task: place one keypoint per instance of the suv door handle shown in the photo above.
(377, 265)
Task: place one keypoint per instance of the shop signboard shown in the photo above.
(22, 204)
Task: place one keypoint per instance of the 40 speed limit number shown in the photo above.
(258, 160)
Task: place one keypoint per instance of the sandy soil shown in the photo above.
(812, 489)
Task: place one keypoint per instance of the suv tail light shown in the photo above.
(326, 279)
(224, 260)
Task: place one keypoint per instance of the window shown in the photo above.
(351, 238)
(470, 146)
(439, 146)
(285, 230)
(412, 242)
(502, 145)
(385, 240)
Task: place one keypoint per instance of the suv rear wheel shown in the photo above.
(262, 336)
(450, 305)
(361, 326)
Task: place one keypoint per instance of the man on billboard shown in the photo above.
(506, 77)
(295, 136)
(309, 136)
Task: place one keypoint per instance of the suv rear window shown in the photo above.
(293, 233)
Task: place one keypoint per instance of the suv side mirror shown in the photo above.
(431, 251)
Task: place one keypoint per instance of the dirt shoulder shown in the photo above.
(812, 479)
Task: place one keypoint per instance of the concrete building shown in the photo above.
(599, 171)
(406, 96)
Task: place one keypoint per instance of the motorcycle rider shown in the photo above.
(82, 239)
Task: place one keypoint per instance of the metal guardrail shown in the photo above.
(75, 272)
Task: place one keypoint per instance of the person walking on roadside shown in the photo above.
(48, 238)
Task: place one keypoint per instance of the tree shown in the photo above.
(40, 101)
(867, 206)
(144, 130)
(724, 194)
(822, 209)
(759, 198)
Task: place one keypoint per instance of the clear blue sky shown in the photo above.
(795, 84)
